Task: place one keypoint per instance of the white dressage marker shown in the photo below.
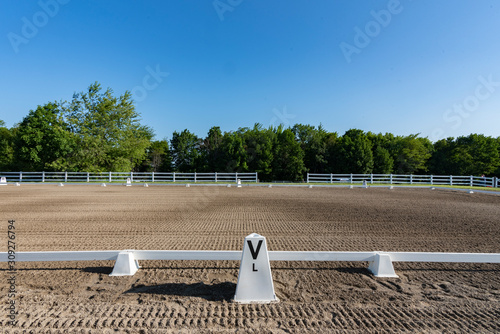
(255, 283)
(129, 182)
(3, 181)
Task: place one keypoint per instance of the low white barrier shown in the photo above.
(255, 283)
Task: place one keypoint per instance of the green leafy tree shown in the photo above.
(6, 147)
(234, 153)
(382, 161)
(212, 156)
(158, 158)
(42, 138)
(411, 154)
(440, 162)
(355, 153)
(258, 144)
(288, 163)
(107, 132)
(314, 144)
(185, 151)
(475, 155)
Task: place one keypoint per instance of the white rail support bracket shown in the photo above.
(381, 266)
(255, 282)
(125, 265)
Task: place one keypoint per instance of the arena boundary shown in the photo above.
(255, 283)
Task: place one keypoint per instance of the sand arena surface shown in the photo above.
(195, 296)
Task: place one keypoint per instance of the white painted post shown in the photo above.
(109, 177)
(331, 178)
(174, 177)
(371, 178)
(391, 179)
(195, 177)
(307, 177)
(65, 176)
(351, 178)
(215, 176)
(88, 177)
(43, 176)
(381, 266)
(152, 176)
(432, 180)
(411, 178)
(236, 177)
(125, 264)
(20, 176)
(255, 282)
(451, 180)
(131, 176)
(471, 181)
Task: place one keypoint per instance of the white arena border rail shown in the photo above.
(410, 179)
(255, 273)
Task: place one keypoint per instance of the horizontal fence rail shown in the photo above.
(451, 180)
(196, 255)
(110, 177)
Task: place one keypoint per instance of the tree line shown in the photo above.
(98, 132)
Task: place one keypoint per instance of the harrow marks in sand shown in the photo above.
(168, 296)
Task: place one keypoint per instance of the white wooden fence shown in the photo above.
(452, 180)
(255, 271)
(83, 177)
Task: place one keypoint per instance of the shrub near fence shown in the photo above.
(451, 180)
(75, 177)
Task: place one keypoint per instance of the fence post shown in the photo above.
(194, 176)
(236, 177)
(432, 180)
(65, 176)
(307, 177)
(472, 181)
(20, 176)
(109, 177)
(216, 177)
(88, 177)
(174, 177)
(152, 176)
(495, 182)
(331, 178)
(43, 176)
(131, 176)
(351, 178)
(411, 178)
(451, 180)
(371, 178)
(391, 179)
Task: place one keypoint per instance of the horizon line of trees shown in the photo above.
(97, 131)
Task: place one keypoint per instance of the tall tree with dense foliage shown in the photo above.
(475, 155)
(185, 151)
(258, 143)
(6, 147)
(288, 162)
(42, 138)
(314, 144)
(234, 153)
(158, 158)
(212, 156)
(411, 154)
(355, 153)
(107, 132)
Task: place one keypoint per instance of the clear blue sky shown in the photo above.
(421, 66)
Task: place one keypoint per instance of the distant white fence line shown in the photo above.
(452, 180)
(122, 177)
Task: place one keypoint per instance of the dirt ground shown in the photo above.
(195, 296)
